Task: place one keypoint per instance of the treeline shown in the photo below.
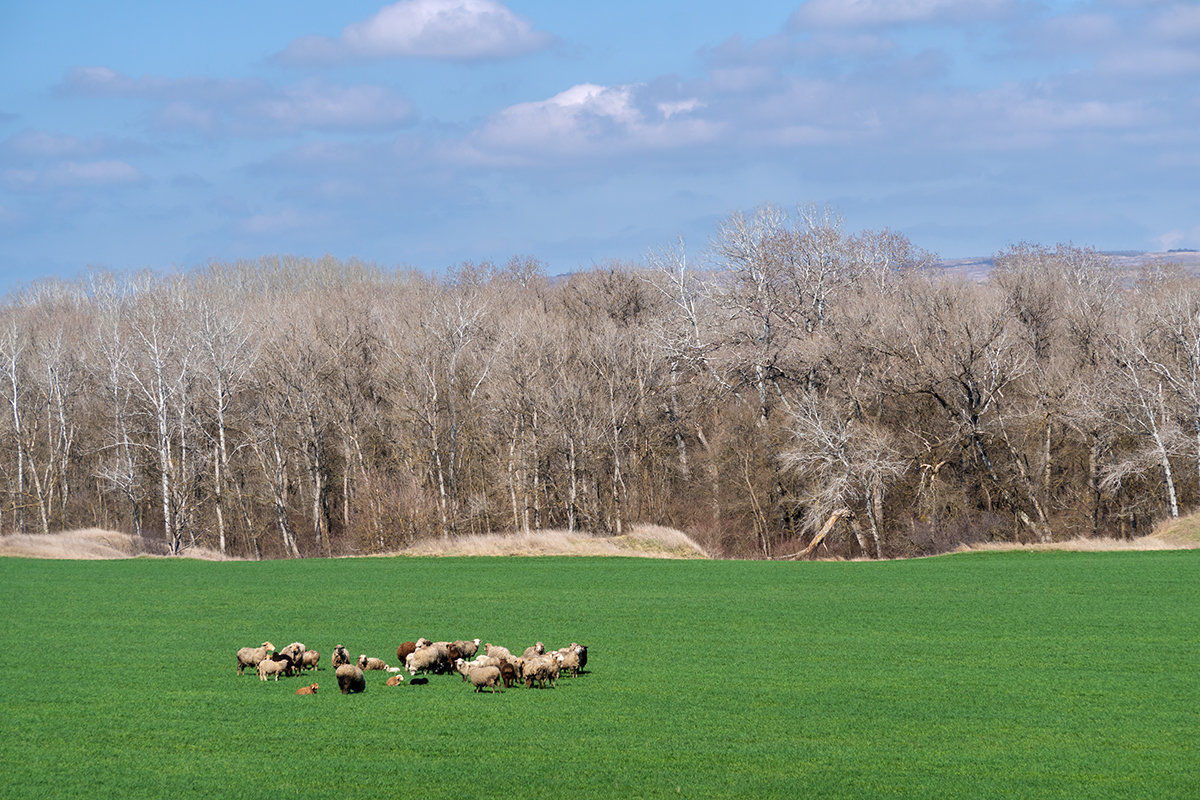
(795, 381)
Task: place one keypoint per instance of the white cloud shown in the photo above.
(589, 119)
(456, 30)
(878, 13)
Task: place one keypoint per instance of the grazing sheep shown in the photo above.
(395, 680)
(485, 676)
(496, 650)
(539, 668)
(426, 659)
(534, 650)
(365, 663)
(350, 679)
(582, 649)
(307, 689)
(568, 659)
(403, 651)
(340, 657)
(270, 667)
(466, 649)
(294, 653)
(508, 671)
(312, 659)
(479, 675)
(250, 656)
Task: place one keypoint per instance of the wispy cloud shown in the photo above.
(454, 30)
(882, 13)
(73, 175)
(41, 144)
(212, 107)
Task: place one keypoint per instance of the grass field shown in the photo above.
(975, 675)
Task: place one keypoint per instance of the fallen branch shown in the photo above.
(820, 537)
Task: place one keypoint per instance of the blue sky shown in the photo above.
(428, 132)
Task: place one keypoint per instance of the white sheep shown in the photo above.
(270, 667)
(366, 663)
(251, 656)
(480, 676)
(350, 679)
(341, 656)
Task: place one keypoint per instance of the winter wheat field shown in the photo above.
(991, 674)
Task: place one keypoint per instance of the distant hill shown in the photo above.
(1129, 262)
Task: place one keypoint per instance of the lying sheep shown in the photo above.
(271, 667)
(395, 680)
(365, 663)
(350, 679)
(307, 689)
(311, 660)
(251, 656)
(340, 657)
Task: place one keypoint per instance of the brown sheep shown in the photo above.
(307, 689)
(403, 650)
(395, 680)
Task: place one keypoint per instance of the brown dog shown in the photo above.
(307, 689)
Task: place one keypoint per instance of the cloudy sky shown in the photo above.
(429, 132)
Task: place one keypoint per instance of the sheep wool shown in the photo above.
(350, 679)
(251, 656)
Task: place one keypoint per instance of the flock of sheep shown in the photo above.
(495, 668)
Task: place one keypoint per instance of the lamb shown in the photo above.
(365, 663)
(251, 656)
(350, 679)
(340, 657)
(307, 689)
(311, 660)
(271, 667)
(395, 680)
(534, 650)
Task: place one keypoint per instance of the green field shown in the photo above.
(978, 675)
